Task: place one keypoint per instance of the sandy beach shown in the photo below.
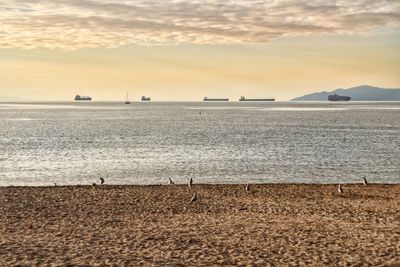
(274, 224)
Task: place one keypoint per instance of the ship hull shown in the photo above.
(261, 99)
(337, 97)
(82, 98)
(216, 99)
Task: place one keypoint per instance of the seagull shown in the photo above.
(365, 181)
(340, 190)
(190, 182)
(101, 180)
(247, 187)
(194, 198)
(170, 181)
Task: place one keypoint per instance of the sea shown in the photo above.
(70, 143)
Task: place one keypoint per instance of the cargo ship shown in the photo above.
(145, 98)
(242, 98)
(337, 97)
(82, 98)
(215, 99)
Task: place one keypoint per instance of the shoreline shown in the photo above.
(277, 224)
(201, 184)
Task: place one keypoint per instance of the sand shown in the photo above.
(309, 225)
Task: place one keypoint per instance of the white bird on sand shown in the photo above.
(365, 181)
(190, 182)
(170, 181)
(194, 198)
(101, 180)
(247, 187)
(340, 190)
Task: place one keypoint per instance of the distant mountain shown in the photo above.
(359, 93)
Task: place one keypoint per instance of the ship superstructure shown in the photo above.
(337, 97)
(83, 98)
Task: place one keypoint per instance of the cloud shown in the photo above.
(74, 24)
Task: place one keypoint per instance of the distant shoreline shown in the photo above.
(196, 101)
(197, 184)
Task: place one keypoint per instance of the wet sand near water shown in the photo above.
(271, 224)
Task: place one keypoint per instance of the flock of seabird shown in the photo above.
(340, 188)
(194, 197)
(247, 188)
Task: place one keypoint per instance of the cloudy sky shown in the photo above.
(184, 50)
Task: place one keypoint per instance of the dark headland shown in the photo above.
(359, 93)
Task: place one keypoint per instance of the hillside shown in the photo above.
(359, 93)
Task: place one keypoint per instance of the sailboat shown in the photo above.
(127, 100)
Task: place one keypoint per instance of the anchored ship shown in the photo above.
(215, 99)
(83, 98)
(242, 98)
(337, 97)
(145, 98)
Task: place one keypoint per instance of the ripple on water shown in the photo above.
(227, 143)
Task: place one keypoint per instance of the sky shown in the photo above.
(185, 50)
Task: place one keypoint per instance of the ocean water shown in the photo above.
(147, 143)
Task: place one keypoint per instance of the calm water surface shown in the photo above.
(146, 143)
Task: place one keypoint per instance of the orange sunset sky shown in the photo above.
(185, 50)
